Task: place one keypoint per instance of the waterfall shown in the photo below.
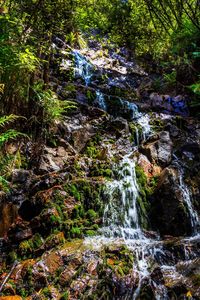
(120, 215)
(101, 100)
(144, 122)
(194, 218)
(84, 68)
(121, 219)
(131, 107)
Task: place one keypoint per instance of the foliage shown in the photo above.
(26, 30)
(195, 104)
(53, 107)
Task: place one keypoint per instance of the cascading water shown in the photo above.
(84, 68)
(194, 219)
(101, 100)
(131, 107)
(120, 215)
(121, 220)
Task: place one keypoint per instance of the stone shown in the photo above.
(67, 275)
(52, 262)
(169, 214)
(92, 267)
(20, 175)
(81, 136)
(148, 168)
(160, 151)
(24, 234)
(120, 124)
(54, 159)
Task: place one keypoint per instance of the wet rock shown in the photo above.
(148, 168)
(160, 151)
(8, 215)
(53, 160)
(67, 275)
(177, 105)
(67, 147)
(21, 269)
(169, 213)
(79, 285)
(146, 291)
(92, 267)
(81, 136)
(52, 262)
(173, 130)
(23, 234)
(20, 175)
(184, 281)
(120, 124)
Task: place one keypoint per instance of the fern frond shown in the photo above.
(10, 134)
(8, 119)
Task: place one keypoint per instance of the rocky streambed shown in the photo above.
(109, 207)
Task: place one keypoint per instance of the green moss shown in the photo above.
(74, 192)
(55, 239)
(46, 292)
(156, 124)
(78, 212)
(101, 169)
(141, 176)
(37, 241)
(26, 248)
(142, 200)
(91, 214)
(90, 233)
(90, 97)
(78, 169)
(55, 220)
(95, 227)
(65, 296)
(136, 132)
(76, 232)
(12, 256)
(92, 151)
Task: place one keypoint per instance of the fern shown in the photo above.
(196, 98)
(10, 134)
(8, 119)
(195, 88)
(4, 184)
(53, 107)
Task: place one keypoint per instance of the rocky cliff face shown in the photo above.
(53, 219)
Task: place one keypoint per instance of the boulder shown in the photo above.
(159, 151)
(120, 124)
(20, 175)
(81, 136)
(53, 159)
(148, 168)
(169, 213)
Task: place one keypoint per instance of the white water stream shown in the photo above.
(121, 220)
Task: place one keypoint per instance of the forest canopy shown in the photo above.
(167, 32)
